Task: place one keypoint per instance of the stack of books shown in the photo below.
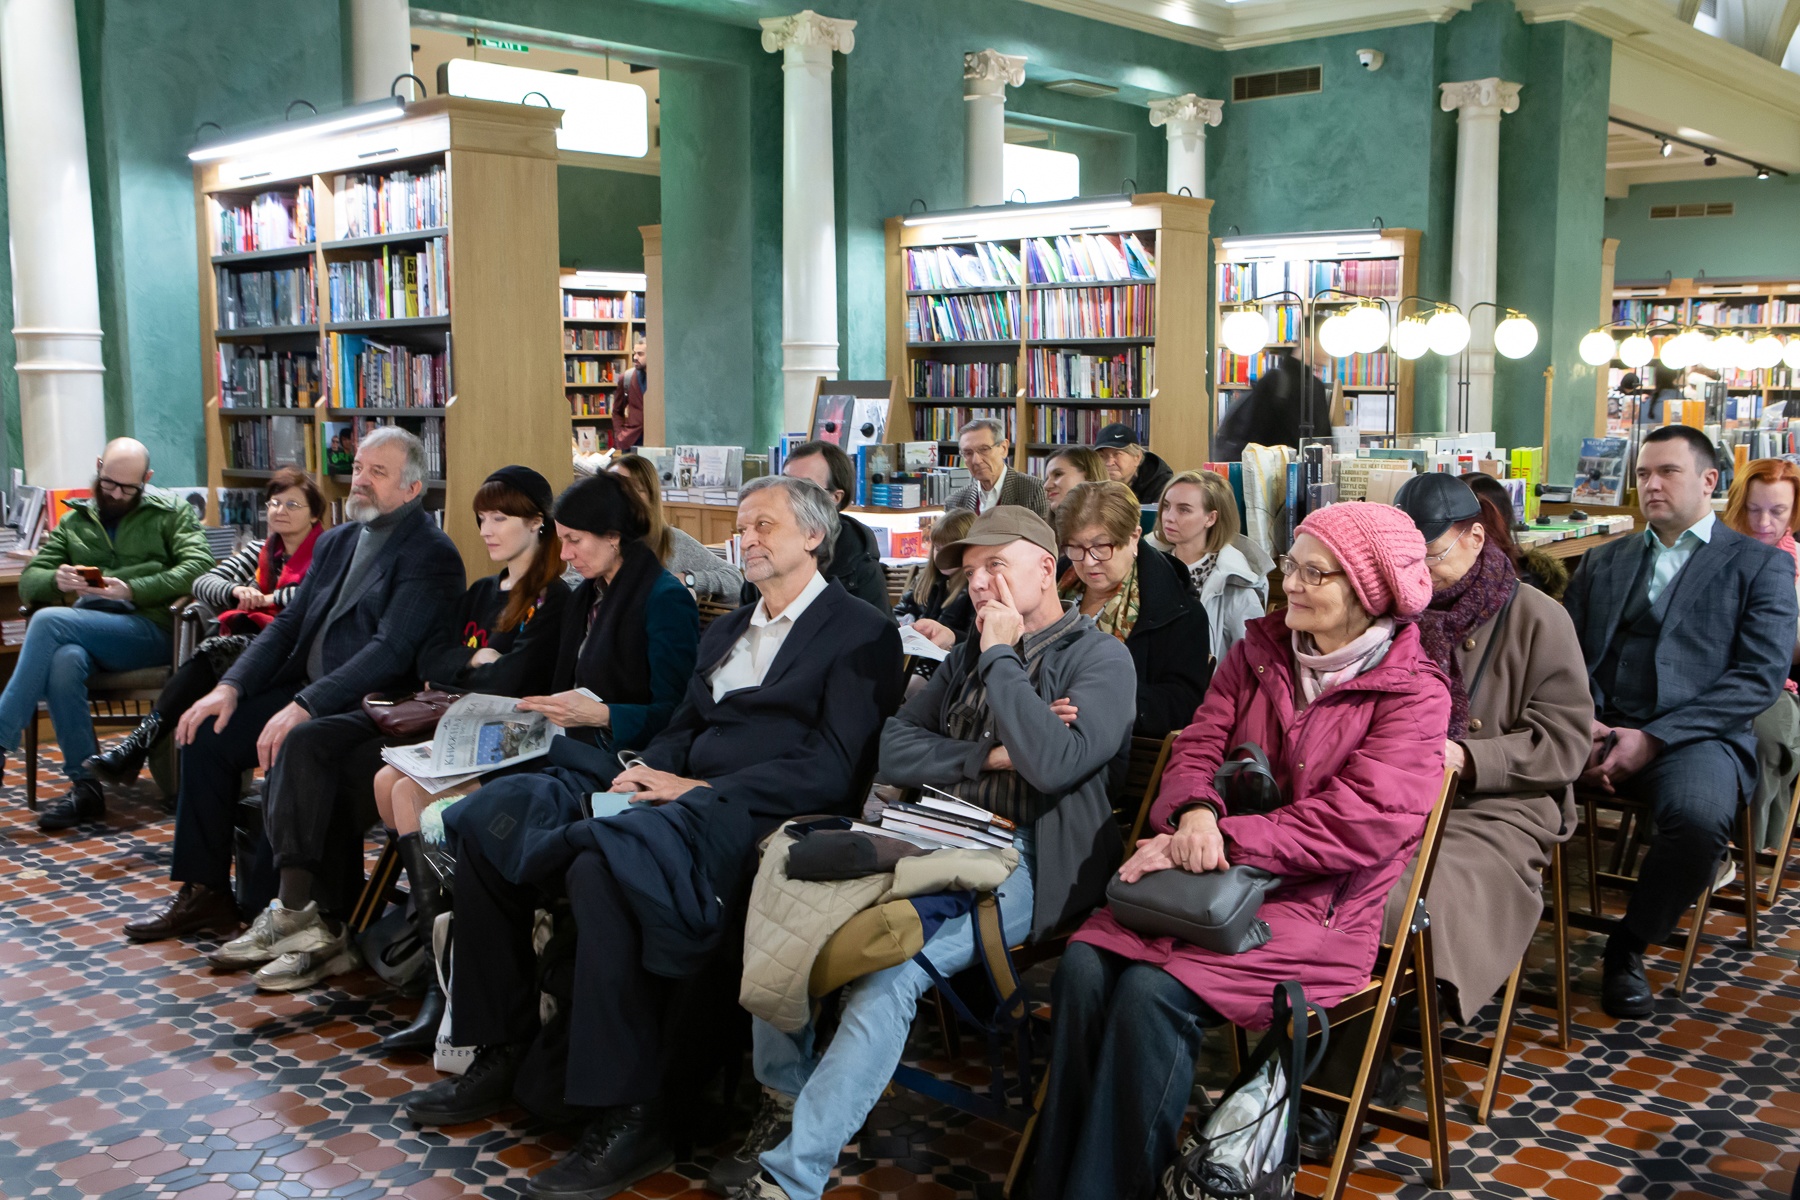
(939, 819)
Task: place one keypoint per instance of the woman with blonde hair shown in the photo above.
(684, 555)
(1197, 519)
(1764, 503)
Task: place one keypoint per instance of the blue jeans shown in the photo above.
(63, 646)
(834, 1092)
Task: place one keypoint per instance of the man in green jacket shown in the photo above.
(145, 550)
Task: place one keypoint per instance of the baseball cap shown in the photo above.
(1116, 436)
(1006, 523)
(1436, 501)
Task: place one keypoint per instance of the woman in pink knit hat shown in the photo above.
(1352, 714)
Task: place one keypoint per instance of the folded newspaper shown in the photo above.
(476, 735)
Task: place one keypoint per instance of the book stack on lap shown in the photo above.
(939, 819)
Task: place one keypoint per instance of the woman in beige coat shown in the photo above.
(1521, 716)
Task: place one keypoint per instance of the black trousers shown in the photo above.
(212, 769)
(191, 681)
(321, 794)
(616, 1027)
(1693, 796)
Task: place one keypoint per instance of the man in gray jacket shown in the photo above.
(1024, 719)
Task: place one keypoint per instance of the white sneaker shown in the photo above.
(262, 942)
(307, 958)
(1727, 872)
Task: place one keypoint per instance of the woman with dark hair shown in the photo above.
(1548, 575)
(246, 590)
(1066, 468)
(683, 554)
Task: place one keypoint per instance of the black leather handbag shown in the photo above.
(1214, 910)
(1246, 783)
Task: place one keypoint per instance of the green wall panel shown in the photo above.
(1761, 238)
(598, 213)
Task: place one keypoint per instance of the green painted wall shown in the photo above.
(1552, 194)
(1761, 240)
(598, 214)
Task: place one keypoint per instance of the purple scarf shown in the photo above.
(1456, 612)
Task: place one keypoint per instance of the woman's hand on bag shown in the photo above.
(571, 710)
(1197, 845)
(1152, 855)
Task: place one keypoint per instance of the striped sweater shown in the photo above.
(213, 589)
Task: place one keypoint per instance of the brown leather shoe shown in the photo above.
(195, 907)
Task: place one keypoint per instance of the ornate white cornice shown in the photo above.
(1492, 92)
(1187, 108)
(807, 29)
(989, 71)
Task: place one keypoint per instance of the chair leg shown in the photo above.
(1497, 1056)
(1588, 816)
(1747, 849)
(1022, 1155)
(1431, 1050)
(1560, 935)
(31, 762)
(1781, 850)
(1381, 1025)
(374, 898)
(1691, 951)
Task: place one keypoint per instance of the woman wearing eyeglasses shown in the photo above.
(1141, 596)
(1339, 693)
(247, 590)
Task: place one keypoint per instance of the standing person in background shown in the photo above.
(985, 451)
(686, 558)
(1198, 521)
(1128, 462)
(1066, 468)
(1287, 402)
(628, 421)
(854, 559)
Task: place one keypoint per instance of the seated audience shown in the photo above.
(684, 555)
(1198, 520)
(1687, 633)
(1535, 567)
(379, 585)
(1762, 505)
(246, 591)
(1067, 467)
(938, 603)
(985, 451)
(1339, 692)
(1023, 720)
(854, 557)
(1139, 595)
(1128, 462)
(146, 549)
(780, 719)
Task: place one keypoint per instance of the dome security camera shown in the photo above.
(1370, 59)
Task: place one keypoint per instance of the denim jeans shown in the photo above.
(834, 1092)
(63, 646)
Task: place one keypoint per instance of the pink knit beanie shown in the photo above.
(1381, 551)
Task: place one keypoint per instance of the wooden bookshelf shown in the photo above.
(1747, 307)
(1057, 370)
(472, 328)
(1377, 264)
(603, 314)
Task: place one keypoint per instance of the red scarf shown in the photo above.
(275, 569)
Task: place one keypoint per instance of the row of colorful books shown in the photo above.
(1081, 426)
(269, 221)
(1091, 313)
(398, 284)
(956, 380)
(371, 203)
(283, 296)
(1069, 374)
(257, 377)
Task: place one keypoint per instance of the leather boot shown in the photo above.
(121, 764)
(428, 900)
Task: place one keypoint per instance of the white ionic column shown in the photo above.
(809, 345)
(1185, 119)
(985, 76)
(56, 293)
(380, 48)
(1477, 104)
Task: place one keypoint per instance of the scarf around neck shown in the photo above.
(1119, 615)
(275, 569)
(1458, 611)
(1321, 672)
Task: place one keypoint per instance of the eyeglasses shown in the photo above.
(984, 451)
(1439, 557)
(285, 505)
(123, 490)
(1311, 576)
(1100, 553)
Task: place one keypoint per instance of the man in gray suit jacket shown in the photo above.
(984, 449)
(1687, 632)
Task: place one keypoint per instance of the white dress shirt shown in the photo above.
(986, 500)
(753, 653)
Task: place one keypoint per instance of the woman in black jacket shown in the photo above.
(1141, 596)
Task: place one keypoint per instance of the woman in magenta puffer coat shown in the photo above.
(1352, 713)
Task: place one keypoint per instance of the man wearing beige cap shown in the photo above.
(1023, 719)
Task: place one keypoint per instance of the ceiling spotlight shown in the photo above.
(1711, 160)
(1762, 172)
(1668, 148)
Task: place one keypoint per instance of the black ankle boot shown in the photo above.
(121, 764)
(428, 900)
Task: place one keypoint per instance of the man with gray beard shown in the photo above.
(379, 583)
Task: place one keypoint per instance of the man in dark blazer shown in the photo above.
(1687, 632)
(782, 717)
(985, 451)
(379, 583)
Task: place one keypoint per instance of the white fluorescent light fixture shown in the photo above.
(1001, 211)
(1343, 243)
(268, 137)
(611, 281)
(600, 116)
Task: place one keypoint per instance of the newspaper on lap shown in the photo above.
(476, 735)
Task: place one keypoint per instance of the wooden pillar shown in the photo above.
(653, 329)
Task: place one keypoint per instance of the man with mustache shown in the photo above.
(144, 550)
(379, 583)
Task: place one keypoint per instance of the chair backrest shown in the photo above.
(1143, 779)
(712, 608)
(899, 579)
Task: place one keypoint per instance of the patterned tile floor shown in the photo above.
(132, 1071)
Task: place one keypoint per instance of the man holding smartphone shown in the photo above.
(104, 578)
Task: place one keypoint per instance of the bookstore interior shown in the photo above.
(1317, 251)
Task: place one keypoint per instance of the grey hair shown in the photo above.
(812, 508)
(980, 423)
(414, 470)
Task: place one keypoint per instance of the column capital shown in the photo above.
(988, 72)
(1185, 109)
(1490, 93)
(806, 30)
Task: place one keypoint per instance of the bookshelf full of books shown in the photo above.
(402, 274)
(1751, 309)
(1049, 318)
(603, 317)
(1329, 271)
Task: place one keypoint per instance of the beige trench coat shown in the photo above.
(1530, 723)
